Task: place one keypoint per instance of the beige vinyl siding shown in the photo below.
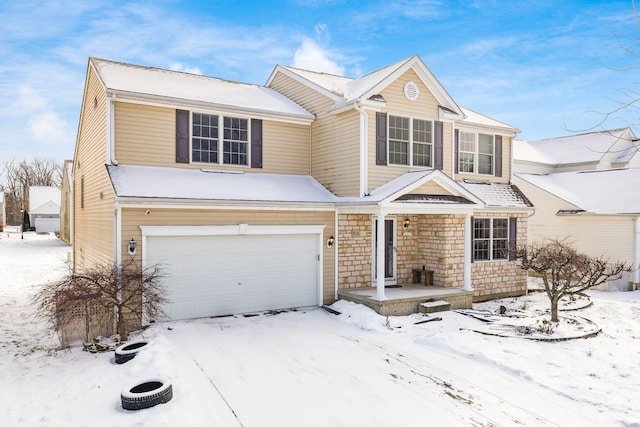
(424, 108)
(146, 135)
(93, 236)
(133, 218)
(430, 188)
(335, 151)
(597, 235)
(506, 161)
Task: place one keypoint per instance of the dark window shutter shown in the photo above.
(513, 238)
(182, 136)
(437, 145)
(256, 143)
(381, 138)
(498, 156)
(456, 148)
(473, 231)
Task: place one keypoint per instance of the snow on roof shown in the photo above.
(358, 87)
(331, 82)
(157, 82)
(612, 191)
(207, 185)
(497, 194)
(473, 117)
(583, 148)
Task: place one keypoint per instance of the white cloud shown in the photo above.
(180, 67)
(47, 127)
(314, 57)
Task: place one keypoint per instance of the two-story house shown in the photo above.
(298, 192)
(585, 189)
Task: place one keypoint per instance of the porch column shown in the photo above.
(636, 254)
(380, 257)
(467, 253)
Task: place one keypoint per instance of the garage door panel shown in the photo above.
(219, 275)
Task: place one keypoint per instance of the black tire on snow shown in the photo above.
(126, 352)
(146, 394)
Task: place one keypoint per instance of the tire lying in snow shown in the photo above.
(146, 394)
(126, 352)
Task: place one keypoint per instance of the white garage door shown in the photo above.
(219, 275)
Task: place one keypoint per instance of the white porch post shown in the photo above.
(467, 253)
(380, 257)
(636, 254)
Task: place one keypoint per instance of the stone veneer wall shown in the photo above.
(354, 251)
(435, 241)
(499, 279)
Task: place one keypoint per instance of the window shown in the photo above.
(410, 141)
(236, 141)
(475, 153)
(205, 139)
(490, 238)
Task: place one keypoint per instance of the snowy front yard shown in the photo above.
(312, 368)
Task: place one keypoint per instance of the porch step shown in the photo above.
(434, 306)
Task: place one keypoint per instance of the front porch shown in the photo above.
(405, 299)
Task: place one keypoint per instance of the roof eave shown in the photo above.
(186, 103)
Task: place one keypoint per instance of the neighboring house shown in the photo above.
(585, 189)
(269, 197)
(66, 201)
(44, 208)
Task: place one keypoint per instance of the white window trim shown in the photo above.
(221, 118)
(476, 153)
(411, 141)
(491, 239)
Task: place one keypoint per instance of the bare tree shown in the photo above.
(97, 293)
(565, 271)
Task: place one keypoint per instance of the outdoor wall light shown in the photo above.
(330, 242)
(132, 246)
(406, 223)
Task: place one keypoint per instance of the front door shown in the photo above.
(389, 250)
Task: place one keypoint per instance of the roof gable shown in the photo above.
(346, 91)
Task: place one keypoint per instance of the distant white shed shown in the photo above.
(44, 208)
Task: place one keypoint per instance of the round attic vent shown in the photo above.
(411, 91)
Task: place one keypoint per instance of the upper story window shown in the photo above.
(206, 144)
(410, 141)
(475, 153)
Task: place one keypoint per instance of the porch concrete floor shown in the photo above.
(405, 299)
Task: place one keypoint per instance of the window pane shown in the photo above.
(421, 154)
(481, 228)
(422, 131)
(500, 249)
(398, 152)
(485, 144)
(481, 249)
(467, 142)
(485, 164)
(466, 162)
(500, 228)
(398, 128)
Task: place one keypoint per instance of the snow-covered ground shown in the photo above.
(313, 368)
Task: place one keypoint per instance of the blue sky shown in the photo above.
(546, 67)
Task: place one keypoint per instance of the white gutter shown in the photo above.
(364, 164)
(636, 254)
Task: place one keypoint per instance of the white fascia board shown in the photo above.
(228, 230)
(407, 208)
(444, 115)
(506, 209)
(303, 81)
(182, 104)
(497, 130)
(341, 107)
(148, 203)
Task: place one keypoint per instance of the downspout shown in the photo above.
(636, 254)
(466, 284)
(453, 150)
(364, 163)
(335, 254)
(111, 147)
